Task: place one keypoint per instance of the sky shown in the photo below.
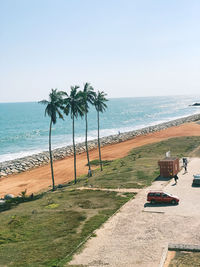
(126, 48)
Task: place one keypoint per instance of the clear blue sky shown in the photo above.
(126, 48)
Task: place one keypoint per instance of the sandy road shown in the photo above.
(40, 179)
(137, 234)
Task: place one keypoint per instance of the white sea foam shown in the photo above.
(124, 116)
(21, 154)
(60, 140)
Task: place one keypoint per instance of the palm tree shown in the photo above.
(52, 109)
(100, 106)
(73, 104)
(88, 96)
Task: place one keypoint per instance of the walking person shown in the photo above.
(175, 178)
(185, 164)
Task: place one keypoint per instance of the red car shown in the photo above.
(162, 197)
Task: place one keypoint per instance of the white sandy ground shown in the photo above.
(138, 233)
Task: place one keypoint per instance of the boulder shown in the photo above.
(3, 174)
(8, 196)
(2, 202)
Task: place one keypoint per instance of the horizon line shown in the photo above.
(35, 101)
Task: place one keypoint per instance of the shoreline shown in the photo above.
(24, 164)
(39, 179)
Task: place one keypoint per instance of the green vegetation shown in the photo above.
(73, 105)
(88, 96)
(140, 167)
(185, 259)
(95, 162)
(100, 105)
(52, 110)
(45, 230)
(13, 202)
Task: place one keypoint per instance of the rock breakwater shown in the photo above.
(36, 160)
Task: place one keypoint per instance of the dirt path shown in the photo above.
(40, 179)
(119, 190)
(170, 257)
(133, 237)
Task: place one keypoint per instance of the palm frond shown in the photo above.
(54, 105)
(44, 102)
(99, 101)
(60, 114)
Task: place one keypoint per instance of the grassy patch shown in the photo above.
(140, 167)
(95, 162)
(185, 259)
(44, 231)
(10, 203)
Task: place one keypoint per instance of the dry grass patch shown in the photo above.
(185, 259)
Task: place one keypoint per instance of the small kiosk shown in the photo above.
(168, 167)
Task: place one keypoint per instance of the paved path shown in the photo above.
(134, 237)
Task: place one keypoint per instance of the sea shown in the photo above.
(24, 129)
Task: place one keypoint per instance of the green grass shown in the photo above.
(185, 259)
(44, 230)
(140, 167)
(96, 162)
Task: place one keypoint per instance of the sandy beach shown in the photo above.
(39, 178)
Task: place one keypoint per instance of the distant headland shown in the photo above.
(195, 104)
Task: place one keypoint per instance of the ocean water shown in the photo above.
(24, 128)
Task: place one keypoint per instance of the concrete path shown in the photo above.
(138, 233)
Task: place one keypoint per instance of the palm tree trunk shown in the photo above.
(99, 143)
(88, 158)
(74, 147)
(51, 158)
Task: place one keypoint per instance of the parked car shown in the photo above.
(162, 197)
(196, 179)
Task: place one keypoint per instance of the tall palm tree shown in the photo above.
(73, 104)
(100, 105)
(52, 110)
(88, 96)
